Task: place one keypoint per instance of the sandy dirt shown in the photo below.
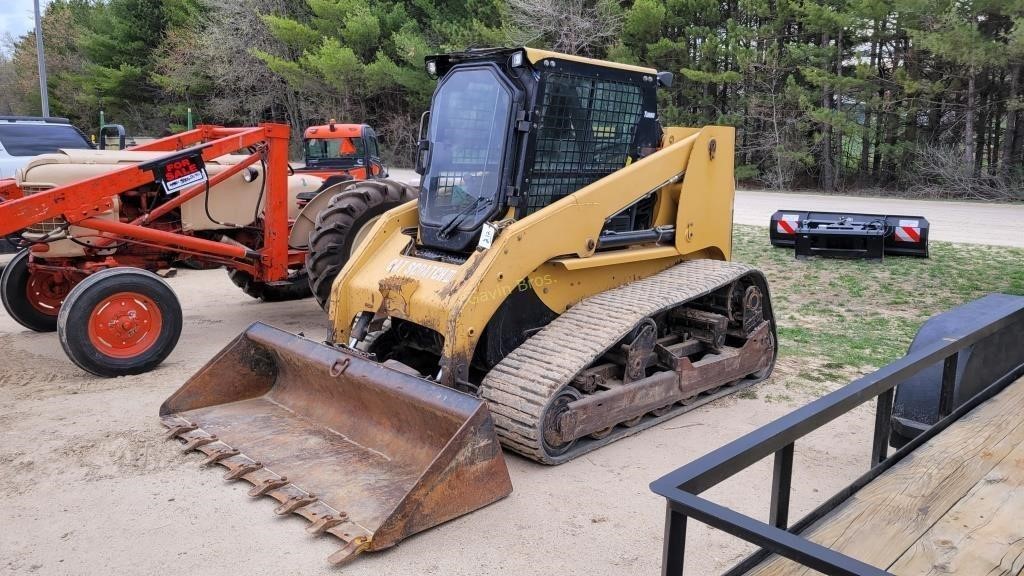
(90, 487)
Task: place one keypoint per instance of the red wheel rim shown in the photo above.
(125, 325)
(46, 292)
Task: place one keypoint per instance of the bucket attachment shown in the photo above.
(997, 356)
(849, 235)
(363, 451)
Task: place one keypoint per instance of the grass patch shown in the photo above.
(839, 319)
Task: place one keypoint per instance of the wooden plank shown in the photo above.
(885, 518)
(982, 534)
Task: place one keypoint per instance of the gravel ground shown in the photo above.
(91, 488)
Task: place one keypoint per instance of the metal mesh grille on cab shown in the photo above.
(585, 131)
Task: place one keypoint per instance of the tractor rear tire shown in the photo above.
(343, 224)
(33, 311)
(296, 287)
(120, 321)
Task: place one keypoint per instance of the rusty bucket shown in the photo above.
(364, 452)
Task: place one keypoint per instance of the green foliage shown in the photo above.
(702, 77)
(361, 32)
(124, 32)
(295, 35)
(291, 71)
(337, 66)
(747, 171)
(643, 22)
(954, 35)
(182, 13)
(363, 60)
(850, 317)
(825, 93)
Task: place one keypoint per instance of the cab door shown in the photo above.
(373, 161)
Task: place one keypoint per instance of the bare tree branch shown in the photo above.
(570, 26)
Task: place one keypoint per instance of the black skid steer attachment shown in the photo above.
(849, 235)
(365, 452)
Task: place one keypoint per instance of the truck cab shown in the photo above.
(341, 152)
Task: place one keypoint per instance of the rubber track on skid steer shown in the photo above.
(520, 387)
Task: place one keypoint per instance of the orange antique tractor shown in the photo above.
(94, 225)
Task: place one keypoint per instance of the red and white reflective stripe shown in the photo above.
(788, 223)
(908, 231)
(908, 234)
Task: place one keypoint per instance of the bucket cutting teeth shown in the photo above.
(294, 503)
(363, 452)
(267, 485)
(350, 551)
(326, 522)
(293, 500)
(215, 456)
(242, 470)
(179, 429)
(198, 441)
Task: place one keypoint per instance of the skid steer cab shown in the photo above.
(563, 281)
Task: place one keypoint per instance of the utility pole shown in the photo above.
(41, 57)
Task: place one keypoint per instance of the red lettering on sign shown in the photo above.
(180, 169)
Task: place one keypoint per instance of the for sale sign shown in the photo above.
(178, 173)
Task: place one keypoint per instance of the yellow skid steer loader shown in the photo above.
(562, 281)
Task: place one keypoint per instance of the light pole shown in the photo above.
(41, 57)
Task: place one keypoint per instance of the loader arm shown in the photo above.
(9, 190)
(91, 196)
(694, 171)
(80, 203)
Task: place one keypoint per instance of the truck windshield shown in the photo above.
(33, 139)
(469, 123)
(334, 148)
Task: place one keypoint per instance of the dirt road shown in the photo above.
(969, 222)
(92, 488)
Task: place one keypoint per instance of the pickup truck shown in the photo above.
(24, 137)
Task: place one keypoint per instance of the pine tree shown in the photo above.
(911, 94)
(954, 32)
(364, 59)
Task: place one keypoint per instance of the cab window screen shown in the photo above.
(36, 139)
(585, 131)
